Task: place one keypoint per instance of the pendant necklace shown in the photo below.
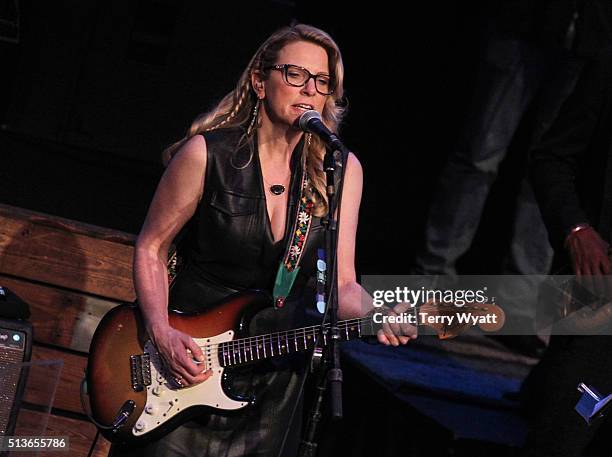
(276, 189)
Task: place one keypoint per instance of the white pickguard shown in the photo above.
(165, 399)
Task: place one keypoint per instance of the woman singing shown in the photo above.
(246, 178)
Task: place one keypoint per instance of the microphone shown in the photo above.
(311, 122)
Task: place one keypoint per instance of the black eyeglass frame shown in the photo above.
(284, 67)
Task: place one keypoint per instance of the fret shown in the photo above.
(245, 350)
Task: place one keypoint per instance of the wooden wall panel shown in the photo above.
(70, 274)
(60, 317)
(56, 253)
(67, 394)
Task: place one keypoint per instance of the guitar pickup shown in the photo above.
(140, 367)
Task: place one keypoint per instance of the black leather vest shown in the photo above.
(230, 243)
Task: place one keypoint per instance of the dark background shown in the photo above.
(94, 90)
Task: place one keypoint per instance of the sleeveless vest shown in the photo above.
(229, 245)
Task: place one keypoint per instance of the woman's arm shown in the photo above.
(174, 203)
(353, 300)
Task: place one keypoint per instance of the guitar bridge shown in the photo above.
(140, 366)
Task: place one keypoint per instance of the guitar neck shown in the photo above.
(252, 349)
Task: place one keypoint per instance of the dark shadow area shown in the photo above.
(94, 91)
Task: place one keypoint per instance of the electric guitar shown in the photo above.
(133, 399)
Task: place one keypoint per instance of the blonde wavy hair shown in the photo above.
(235, 109)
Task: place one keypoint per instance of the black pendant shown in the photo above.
(277, 189)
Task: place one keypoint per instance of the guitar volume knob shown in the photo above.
(140, 426)
(158, 391)
(150, 409)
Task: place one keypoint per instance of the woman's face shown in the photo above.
(285, 103)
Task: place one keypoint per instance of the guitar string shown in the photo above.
(231, 347)
(275, 337)
(270, 338)
(343, 324)
(301, 330)
(243, 357)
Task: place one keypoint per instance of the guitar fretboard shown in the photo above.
(252, 349)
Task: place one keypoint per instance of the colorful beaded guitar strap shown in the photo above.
(290, 265)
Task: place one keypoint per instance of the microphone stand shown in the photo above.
(334, 372)
(330, 371)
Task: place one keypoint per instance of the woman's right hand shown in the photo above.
(183, 358)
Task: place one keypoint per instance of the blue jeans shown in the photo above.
(514, 76)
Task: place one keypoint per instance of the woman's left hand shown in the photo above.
(396, 334)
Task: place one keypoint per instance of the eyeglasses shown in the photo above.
(299, 76)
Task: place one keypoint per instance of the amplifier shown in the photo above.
(15, 348)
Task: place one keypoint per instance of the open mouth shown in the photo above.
(303, 106)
